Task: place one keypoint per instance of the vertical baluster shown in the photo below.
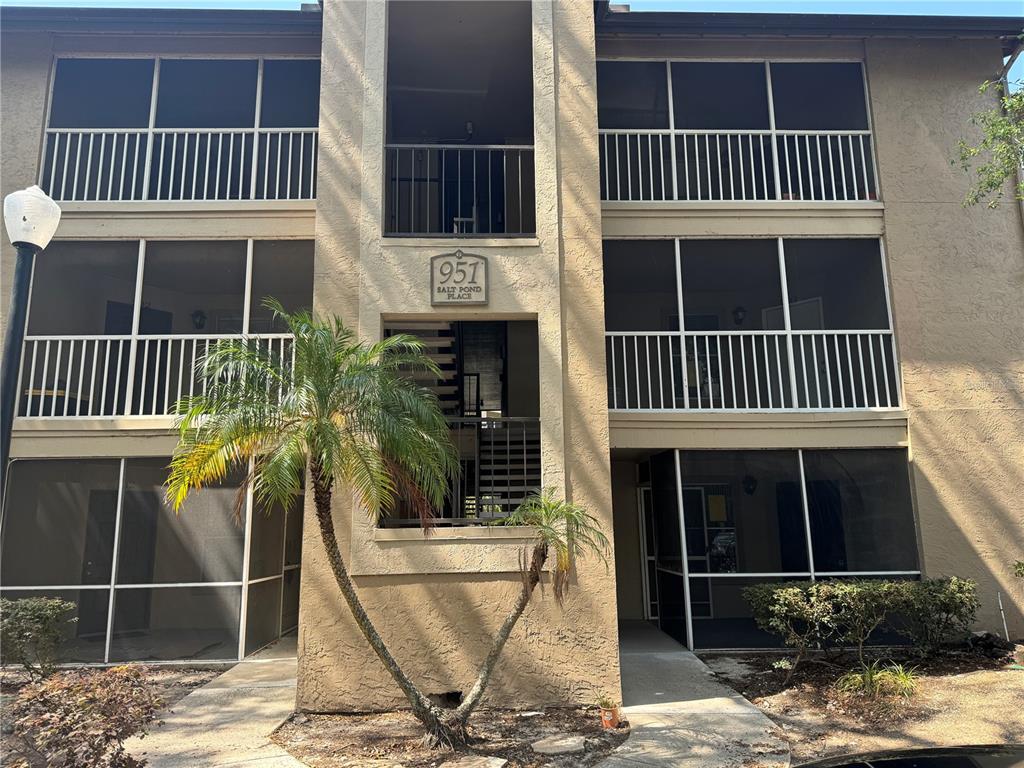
(767, 370)
(181, 372)
(671, 373)
(68, 374)
(810, 167)
(778, 368)
(607, 169)
(661, 163)
(64, 173)
(883, 343)
(81, 379)
(874, 374)
(277, 170)
(32, 379)
(743, 368)
(231, 160)
(145, 371)
(174, 167)
(650, 163)
(839, 372)
(696, 367)
(206, 166)
(842, 165)
(661, 377)
(860, 358)
(56, 379)
(789, 175)
(92, 375)
(764, 166)
(124, 165)
(636, 371)
(291, 151)
(220, 161)
(195, 373)
(732, 369)
(799, 167)
(629, 171)
(107, 372)
(828, 369)
(78, 165)
(266, 161)
(721, 374)
(817, 377)
(160, 170)
(803, 366)
(707, 158)
(743, 173)
(686, 163)
(757, 381)
(853, 168)
(831, 166)
(647, 362)
(113, 163)
(718, 166)
(732, 182)
(868, 188)
(53, 161)
(302, 157)
(821, 170)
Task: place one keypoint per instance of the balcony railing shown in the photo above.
(694, 165)
(500, 466)
(165, 164)
(752, 371)
(117, 376)
(453, 190)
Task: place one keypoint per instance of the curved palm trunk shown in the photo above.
(440, 729)
(530, 580)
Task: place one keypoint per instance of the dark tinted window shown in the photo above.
(291, 93)
(102, 93)
(206, 94)
(281, 269)
(640, 285)
(723, 96)
(631, 94)
(835, 284)
(820, 96)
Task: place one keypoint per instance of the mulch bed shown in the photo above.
(395, 739)
(172, 683)
(963, 697)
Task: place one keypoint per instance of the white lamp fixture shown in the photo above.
(31, 218)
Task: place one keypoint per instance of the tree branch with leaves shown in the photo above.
(998, 157)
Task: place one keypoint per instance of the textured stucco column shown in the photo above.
(438, 601)
(957, 281)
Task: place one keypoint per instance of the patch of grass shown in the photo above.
(876, 681)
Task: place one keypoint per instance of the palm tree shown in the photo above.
(345, 413)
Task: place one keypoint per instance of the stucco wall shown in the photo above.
(438, 601)
(957, 279)
(24, 83)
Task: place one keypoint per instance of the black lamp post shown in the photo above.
(31, 218)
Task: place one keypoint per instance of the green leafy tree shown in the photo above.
(348, 414)
(999, 156)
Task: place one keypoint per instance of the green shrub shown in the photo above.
(1018, 569)
(31, 630)
(825, 614)
(82, 718)
(937, 612)
(875, 681)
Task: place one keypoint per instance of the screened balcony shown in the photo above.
(767, 325)
(459, 159)
(734, 131)
(173, 129)
(117, 329)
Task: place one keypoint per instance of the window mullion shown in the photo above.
(244, 603)
(256, 130)
(247, 296)
(133, 342)
(806, 513)
(784, 285)
(774, 138)
(682, 328)
(688, 609)
(114, 561)
(672, 130)
(150, 134)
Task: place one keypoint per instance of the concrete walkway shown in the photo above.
(228, 721)
(681, 716)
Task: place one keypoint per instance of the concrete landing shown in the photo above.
(681, 716)
(229, 720)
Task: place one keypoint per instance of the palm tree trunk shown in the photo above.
(530, 580)
(440, 731)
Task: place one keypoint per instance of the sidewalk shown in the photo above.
(228, 721)
(681, 716)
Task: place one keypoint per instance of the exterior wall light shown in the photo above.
(31, 219)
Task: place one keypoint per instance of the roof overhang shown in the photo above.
(612, 22)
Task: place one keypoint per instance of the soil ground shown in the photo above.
(962, 699)
(390, 740)
(172, 683)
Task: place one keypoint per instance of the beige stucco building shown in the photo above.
(708, 275)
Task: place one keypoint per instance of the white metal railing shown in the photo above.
(179, 164)
(96, 376)
(458, 189)
(752, 370)
(692, 165)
